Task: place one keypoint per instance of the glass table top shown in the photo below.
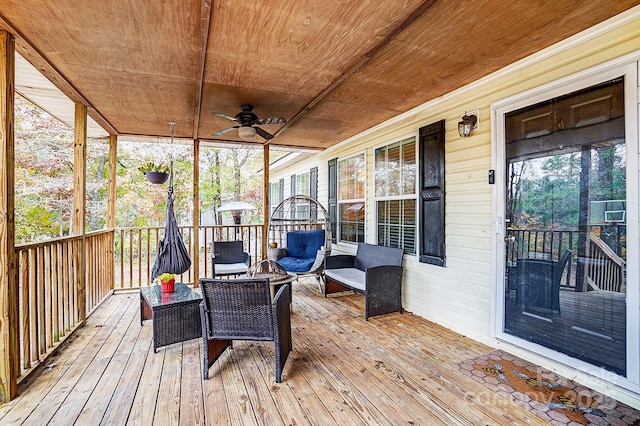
(182, 294)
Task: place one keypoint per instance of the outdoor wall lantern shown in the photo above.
(467, 124)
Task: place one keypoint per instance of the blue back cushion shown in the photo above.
(304, 244)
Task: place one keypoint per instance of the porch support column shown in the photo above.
(111, 208)
(79, 203)
(111, 197)
(266, 210)
(196, 213)
(9, 346)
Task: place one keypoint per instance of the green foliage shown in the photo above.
(545, 192)
(39, 222)
(154, 167)
(164, 277)
(44, 178)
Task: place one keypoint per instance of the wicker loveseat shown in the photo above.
(374, 271)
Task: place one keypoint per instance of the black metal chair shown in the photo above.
(229, 259)
(241, 309)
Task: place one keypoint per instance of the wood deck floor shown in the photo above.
(395, 369)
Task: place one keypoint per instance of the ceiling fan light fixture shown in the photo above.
(246, 132)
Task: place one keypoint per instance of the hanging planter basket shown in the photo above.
(157, 177)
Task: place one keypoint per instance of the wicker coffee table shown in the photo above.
(175, 316)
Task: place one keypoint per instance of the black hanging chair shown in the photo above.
(173, 256)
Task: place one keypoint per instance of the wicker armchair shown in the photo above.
(241, 309)
(229, 258)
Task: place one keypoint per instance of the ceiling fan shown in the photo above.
(247, 120)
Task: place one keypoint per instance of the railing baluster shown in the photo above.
(26, 310)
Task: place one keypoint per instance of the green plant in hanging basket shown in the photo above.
(153, 167)
(156, 173)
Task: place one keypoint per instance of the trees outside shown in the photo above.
(544, 193)
(44, 178)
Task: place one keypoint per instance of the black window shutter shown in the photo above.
(431, 154)
(293, 185)
(281, 191)
(313, 183)
(333, 195)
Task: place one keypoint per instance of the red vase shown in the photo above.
(168, 286)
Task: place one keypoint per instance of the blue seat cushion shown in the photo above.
(295, 264)
(304, 244)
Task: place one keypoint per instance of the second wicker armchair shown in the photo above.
(241, 309)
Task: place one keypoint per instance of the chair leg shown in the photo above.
(318, 279)
(212, 349)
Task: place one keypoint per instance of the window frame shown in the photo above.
(341, 201)
(407, 139)
(300, 179)
(274, 187)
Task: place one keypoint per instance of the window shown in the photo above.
(351, 176)
(332, 173)
(395, 178)
(302, 184)
(274, 195)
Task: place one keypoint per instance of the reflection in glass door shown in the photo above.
(565, 285)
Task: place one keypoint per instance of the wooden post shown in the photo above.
(111, 209)
(196, 213)
(266, 210)
(111, 197)
(79, 203)
(9, 299)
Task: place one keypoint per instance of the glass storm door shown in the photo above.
(565, 233)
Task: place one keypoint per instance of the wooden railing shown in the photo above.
(52, 302)
(604, 269)
(136, 250)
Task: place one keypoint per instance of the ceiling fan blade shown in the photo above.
(222, 132)
(272, 120)
(266, 135)
(223, 115)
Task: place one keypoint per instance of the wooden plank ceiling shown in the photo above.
(331, 68)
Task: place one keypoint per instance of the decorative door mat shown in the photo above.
(556, 399)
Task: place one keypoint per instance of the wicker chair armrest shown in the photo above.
(384, 290)
(204, 320)
(318, 264)
(387, 278)
(339, 261)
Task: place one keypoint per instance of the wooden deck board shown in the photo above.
(40, 398)
(191, 402)
(393, 369)
(419, 385)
